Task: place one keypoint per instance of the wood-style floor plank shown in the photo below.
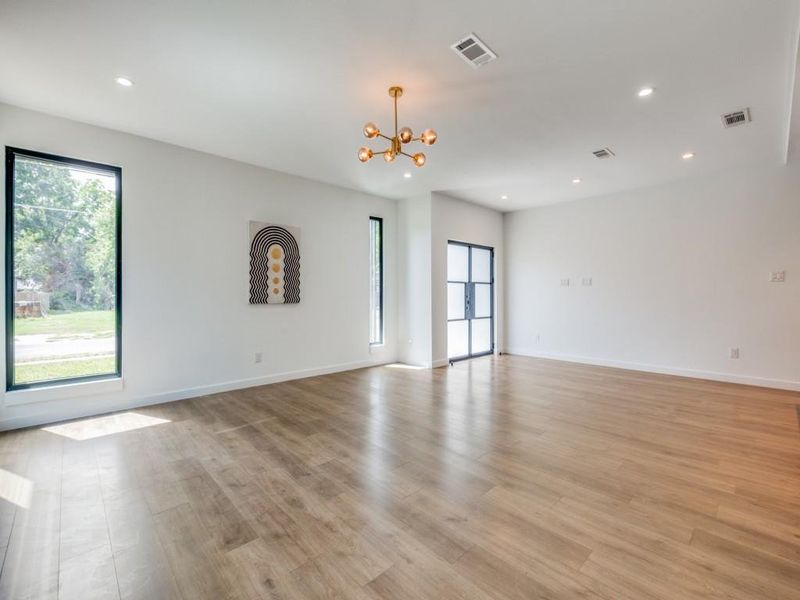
(499, 478)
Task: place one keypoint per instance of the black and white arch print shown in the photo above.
(274, 264)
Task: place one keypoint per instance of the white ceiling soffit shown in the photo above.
(288, 84)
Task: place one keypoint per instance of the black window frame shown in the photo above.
(381, 332)
(11, 154)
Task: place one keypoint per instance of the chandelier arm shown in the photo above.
(386, 137)
(407, 154)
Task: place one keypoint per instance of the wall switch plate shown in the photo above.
(777, 276)
(258, 357)
(565, 282)
(587, 281)
(734, 353)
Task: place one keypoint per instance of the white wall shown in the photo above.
(425, 225)
(461, 221)
(414, 289)
(680, 275)
(187, 326)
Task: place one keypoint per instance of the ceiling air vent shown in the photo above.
(740, 117)
(604, 153)
(474, 51)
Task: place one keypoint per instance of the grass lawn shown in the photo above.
(95, 322)
(27, 373)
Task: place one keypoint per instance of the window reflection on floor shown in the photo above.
(15, 489)
(87, 429)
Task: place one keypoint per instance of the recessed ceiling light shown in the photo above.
(646, 91)
(124, 81)
(688, 156)
(407, 175)
(503, 197)
(576, 180)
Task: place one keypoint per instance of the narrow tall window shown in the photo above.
(63, 315)
(375, 281)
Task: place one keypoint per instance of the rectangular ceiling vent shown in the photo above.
(473, 50)
(740, 117)
(604, 153)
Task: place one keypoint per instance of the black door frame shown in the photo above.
(469, 294)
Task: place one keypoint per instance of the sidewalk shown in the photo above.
(40, 347)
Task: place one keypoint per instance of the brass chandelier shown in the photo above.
(402, 136)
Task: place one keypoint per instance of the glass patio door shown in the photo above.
(470, 300)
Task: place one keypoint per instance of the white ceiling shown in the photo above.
(288, 84)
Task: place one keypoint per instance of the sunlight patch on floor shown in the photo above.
(403, 366)
(16, 489)
(88, 429)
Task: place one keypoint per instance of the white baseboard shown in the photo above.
(41, 414)
(780, 384)
(217, 388)
(51, 415)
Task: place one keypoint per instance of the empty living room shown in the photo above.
(357, 300)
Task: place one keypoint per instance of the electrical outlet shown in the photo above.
(777, 276)
(258, 357)
(734, 353)
(565, 282)
(587, 281)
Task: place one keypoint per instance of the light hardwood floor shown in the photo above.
(503, 478)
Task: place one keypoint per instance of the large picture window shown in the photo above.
(63, 308)
(375, 281)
